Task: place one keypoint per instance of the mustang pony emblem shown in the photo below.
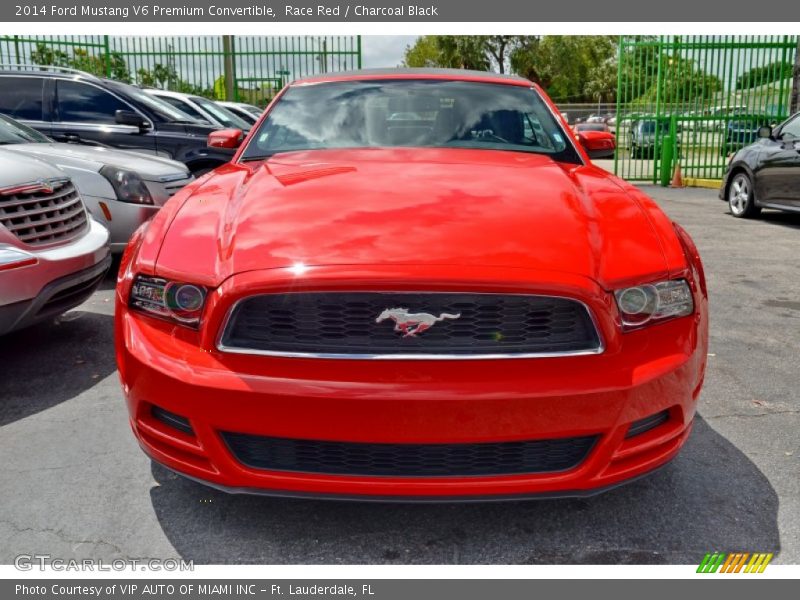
(410, 324)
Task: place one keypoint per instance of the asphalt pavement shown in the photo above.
(74, 484)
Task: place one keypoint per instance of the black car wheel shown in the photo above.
(741, 199)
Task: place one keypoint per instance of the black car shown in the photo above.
(71, 106)
(765, 174)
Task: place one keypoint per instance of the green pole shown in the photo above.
(620, 50)
(16, 48)
(228, 68)
(107, 55)
(358, 41)
(669, 151)
(656, 145)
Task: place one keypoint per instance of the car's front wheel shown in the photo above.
(741, 199)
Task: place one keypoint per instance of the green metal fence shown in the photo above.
(257, 66)
(693, 100)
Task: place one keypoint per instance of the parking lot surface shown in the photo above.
(74, 484)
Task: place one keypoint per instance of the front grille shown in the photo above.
(344, 325)
(44, 216)
(71, 296)
(408, 460)
(173, 187)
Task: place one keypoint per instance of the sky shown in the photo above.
(384, 50)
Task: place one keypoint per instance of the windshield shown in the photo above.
(221, 114)
(411, 113)
(590, 127)
(253, 110)
(161, 109)
(12, 132)
(650, 127)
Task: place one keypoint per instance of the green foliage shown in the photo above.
(757, 76)
(83, 61)
(682, 79)
(423, 54)
(160, 76)
(570, 68)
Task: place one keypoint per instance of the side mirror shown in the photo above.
(128, 117)
(225, 138)
(765, 131)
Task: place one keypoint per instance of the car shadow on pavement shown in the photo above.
(54, 361)
(778, 217)
(711, 498)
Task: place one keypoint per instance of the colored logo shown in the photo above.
(737, 562)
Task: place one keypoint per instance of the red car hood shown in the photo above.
(456, 208)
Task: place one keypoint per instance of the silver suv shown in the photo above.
(52, 253)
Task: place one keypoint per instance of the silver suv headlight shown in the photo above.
(128, 185)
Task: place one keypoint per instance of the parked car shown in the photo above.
(202, 109)
(765, 174)
(602, 140)
(76, 107)
(246, 112)
(458, 308)
(52, 253)
(121, 189)
(717, 117)
(742, 132)
(644, 141)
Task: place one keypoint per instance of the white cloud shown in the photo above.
(384, 50)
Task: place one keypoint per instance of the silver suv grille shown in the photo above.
(43, 213)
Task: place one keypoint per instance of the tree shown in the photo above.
(476, 52)
(775, 71)
(464, 52)
(45, 55)
(423, 54)
(498, 46)
(570, 68)
(83, 61)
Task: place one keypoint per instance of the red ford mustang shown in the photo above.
(411, 285)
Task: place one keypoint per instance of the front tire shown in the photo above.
(741, 199)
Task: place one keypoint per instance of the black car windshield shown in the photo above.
(411, 113)
(12, 132)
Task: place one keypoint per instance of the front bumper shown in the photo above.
(64, 277)
(125, 218)
(642, 373)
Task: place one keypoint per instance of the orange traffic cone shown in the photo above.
(677, 180)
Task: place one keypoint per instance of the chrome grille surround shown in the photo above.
(420, 352)
(43, 212)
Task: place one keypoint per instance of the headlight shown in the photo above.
(128, 186)
(644, 304)
(175, 301)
